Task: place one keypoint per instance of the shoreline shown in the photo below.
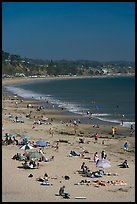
(6, 81)
(15, 81)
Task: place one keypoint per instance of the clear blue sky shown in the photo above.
(100, 31)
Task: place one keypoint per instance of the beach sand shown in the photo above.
(18, 187)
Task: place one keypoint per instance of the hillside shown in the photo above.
(15, 65)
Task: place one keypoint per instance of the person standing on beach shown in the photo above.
(103, 155)
(126, 146)
(51, 132)
(131, 130)
(113, 131)
(16, 104)
(96, 157)
(42, 153)
(57, 146)
(131, 127)
(122, 119)
(96, 137)
(16, 118)
(82, 166)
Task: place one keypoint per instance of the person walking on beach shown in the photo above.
(96, 137)
(103, 155)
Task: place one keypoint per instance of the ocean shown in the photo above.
(108, 99)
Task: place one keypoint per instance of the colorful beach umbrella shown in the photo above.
(13, 134)
(26, 146)
(35, 155)
(103, 163)
(41, 143)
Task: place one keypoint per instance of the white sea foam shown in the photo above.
(100, 114)
(72, 107)
(128, 124)
(109, 120)
(22, 92)
(69, 106)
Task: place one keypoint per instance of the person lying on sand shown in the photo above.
(19, 157)
(83, 182)
(105, 183)
(124, 164)
(74, 153)
(100, 183)
(93, 174)
(30, 165)
(44, 180)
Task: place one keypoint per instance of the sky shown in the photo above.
(101, 31)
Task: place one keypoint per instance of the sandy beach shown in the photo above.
(18, 187)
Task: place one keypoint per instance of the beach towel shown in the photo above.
(45, 184)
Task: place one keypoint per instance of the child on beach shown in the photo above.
(126, 146)
(96, 157)
(46, 177)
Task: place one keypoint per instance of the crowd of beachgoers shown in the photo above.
(50, 156)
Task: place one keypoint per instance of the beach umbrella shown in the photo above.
(26, 146)
(36, 155)
(103, 163)
(41, 143)
(13, 134)
(25, 137)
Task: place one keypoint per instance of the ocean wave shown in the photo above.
(109, 120)
(69, 106)
(100, 114)
(128, 124)
(52, 100)
(74, 108)
(23, 93)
